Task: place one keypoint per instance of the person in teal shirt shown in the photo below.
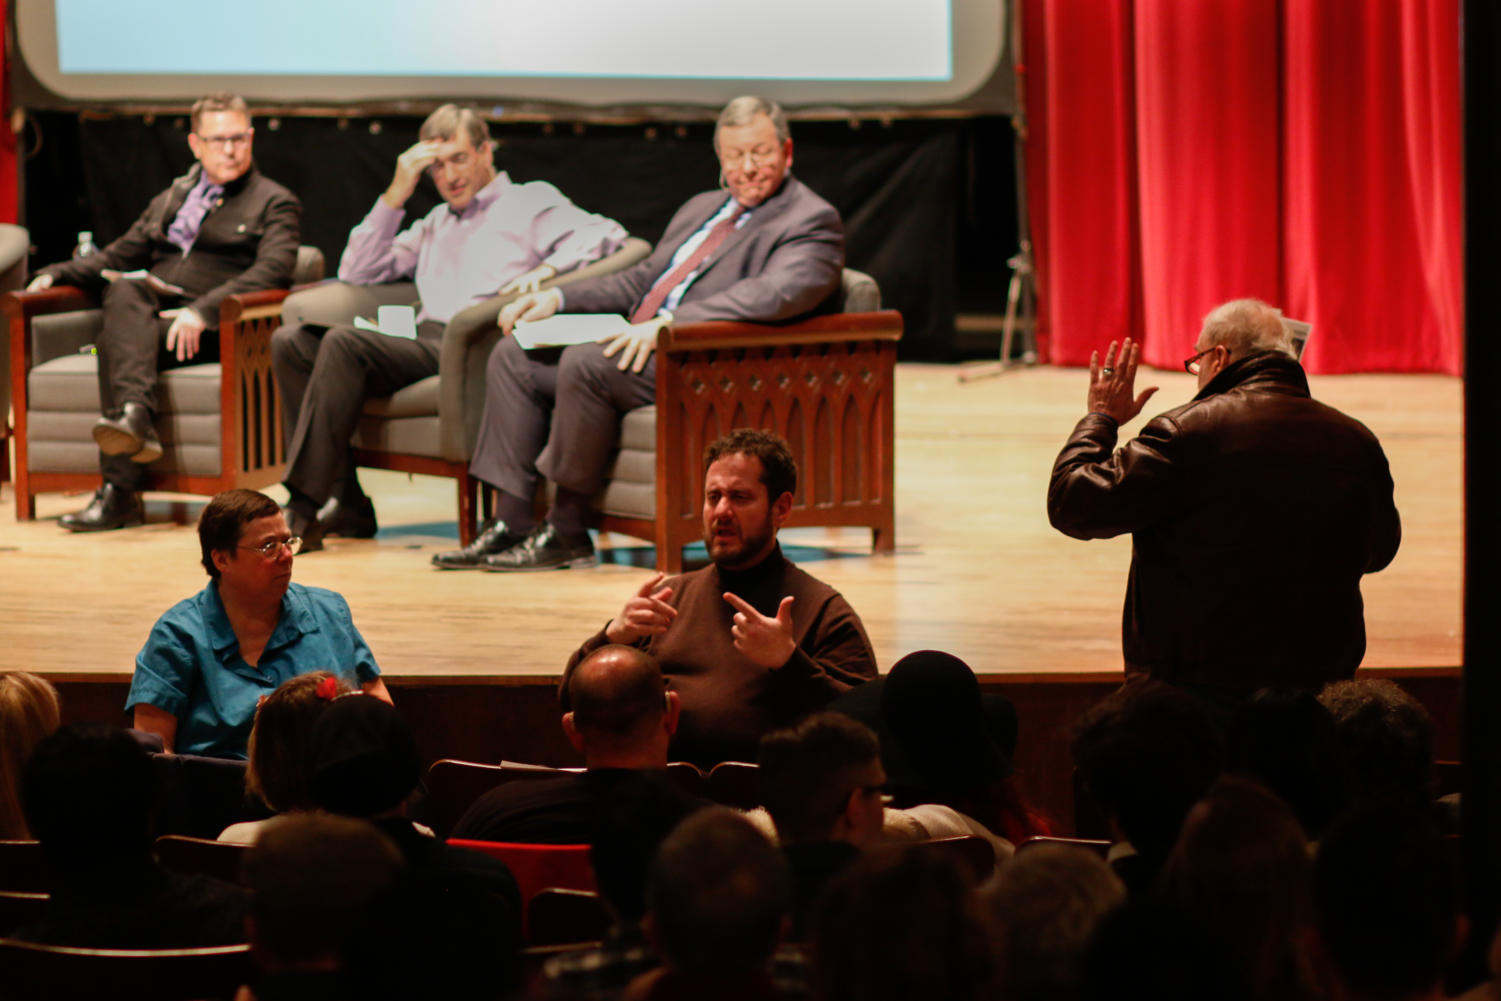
(212, 657)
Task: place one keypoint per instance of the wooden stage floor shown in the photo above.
(978, 571)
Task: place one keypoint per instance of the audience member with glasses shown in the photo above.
(220, 229)
(211, 658)
(1254, 512)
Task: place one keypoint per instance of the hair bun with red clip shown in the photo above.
(328, 689)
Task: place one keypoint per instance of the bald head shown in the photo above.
(621, 709)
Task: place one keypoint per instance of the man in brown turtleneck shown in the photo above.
(750, 643)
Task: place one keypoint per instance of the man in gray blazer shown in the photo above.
(769, 249)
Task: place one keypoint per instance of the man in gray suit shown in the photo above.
(768, 250)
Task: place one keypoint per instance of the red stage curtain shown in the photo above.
(1184, 152)
(8, 196)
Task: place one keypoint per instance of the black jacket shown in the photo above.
(247, 242)
(1254, 511)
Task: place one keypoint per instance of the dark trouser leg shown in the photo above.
(519, 390)
(592, 394)
(128, 346)
(351, 365)
(294, 349)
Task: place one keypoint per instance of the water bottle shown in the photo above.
(85, 245)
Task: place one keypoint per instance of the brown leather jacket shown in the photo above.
(1254, 511)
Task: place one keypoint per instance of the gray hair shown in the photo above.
(221, 100)
(451, 119)
(743, 110)
(1246, 326)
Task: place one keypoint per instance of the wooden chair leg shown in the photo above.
(468, 488)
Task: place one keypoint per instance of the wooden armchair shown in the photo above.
(220, 423)
(825, 384)
(430, 426)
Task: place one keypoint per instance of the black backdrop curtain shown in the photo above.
(928, 205)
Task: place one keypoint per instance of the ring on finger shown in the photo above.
(1107, 370)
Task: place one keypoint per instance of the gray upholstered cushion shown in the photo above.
(420, 399)
(630, 490)
(858, 292)
(64, 404)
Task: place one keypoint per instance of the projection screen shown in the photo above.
(579, 52)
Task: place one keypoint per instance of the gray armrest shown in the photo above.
(469, 338)
(338, 302)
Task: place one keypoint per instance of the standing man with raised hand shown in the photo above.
(766, 249)
(220, 229)
(491, 236)
(1254, 511)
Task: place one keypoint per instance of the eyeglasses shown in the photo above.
(458, 161)
(271, 548)
(1191, 365)
(759, 157)
(225, 142)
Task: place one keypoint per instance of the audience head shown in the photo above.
(90, 796)
(1041, 911)
(1387, 905)
(1241, 868)
(749, 481)
(1285, 739)
(221, 136)
(1236, 329)
(1146, 753)
(945, 730)
(465, 156)
(29, 711)
(898, 925)
(637, 814)
(754, 147)
(1387, 738)
(822, 780)
(621, 714)
(363, 759)
(717, 895)
(310, 876)
(279, 738)
(234, 529)
(1149, 950)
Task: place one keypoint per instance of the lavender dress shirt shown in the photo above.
(462, 258)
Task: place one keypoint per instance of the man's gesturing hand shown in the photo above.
(766, 641)
(1111, 386)
(409, 167)
(529, 308)
(646, 614)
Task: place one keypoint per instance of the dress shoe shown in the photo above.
(545, 549)
(309, 529)
(111, 508)
(494, 537)
(132, 434)
(349, 521)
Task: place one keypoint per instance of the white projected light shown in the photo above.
(577, 51)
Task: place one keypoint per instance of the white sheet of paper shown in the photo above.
(569, 328)
(393, 321)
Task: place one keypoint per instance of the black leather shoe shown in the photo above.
(545, 549)
(132, 434)
(310, 530)
(494, 537)
(111, 508)
(348, 521)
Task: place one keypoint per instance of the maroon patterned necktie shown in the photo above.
(663, 288)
